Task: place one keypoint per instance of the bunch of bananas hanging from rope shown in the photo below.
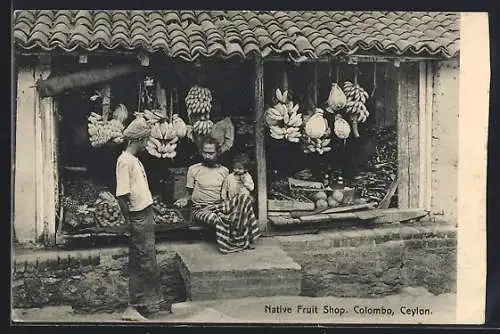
(203, 126)
(356, 99)
(199, 104)
(318, 145)
(102, 131)
(283, 118)
(163, 139)
(198, 100)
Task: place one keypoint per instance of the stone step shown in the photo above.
(261, 272)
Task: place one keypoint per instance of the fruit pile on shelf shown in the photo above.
(370, 185)
(374, 183)
(165, 215)
(78, 203)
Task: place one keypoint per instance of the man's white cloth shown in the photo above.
(131, 179)
(206, 183)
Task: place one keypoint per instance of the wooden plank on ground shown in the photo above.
(391, 215)
(347, 208)
(386, 201)
(377, 216)
(289, 205)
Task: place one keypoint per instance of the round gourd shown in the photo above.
(316, 127)
(332, 203)
(341, 128)
(337, 99)
(320, 195)
(338, 195)
(321, 204)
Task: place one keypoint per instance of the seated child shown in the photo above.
(239, 181)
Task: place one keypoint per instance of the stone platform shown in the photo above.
(264, 271)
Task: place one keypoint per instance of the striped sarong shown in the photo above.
(236, 227)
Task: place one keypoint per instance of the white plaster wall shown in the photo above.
(445, 140)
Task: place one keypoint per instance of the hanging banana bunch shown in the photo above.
(283, 118)
(198, 100)
(102, 131)
(355, 106)
(151, 117)
(179, 125)
(203, 127)
(199, 104)
(162, 142)
(318, 145)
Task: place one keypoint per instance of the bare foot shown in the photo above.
(131, 314)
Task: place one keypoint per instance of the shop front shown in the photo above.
(336, 129)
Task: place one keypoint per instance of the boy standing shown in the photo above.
(134, 197)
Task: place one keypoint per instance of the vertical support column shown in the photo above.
(24, 168)
(45, 164)
(408, 136)
(425, 133)
(422, 92)
(260, 144)
(41, 72)
(428, 134)
(403, 149)
(50, 175)
(314, 86)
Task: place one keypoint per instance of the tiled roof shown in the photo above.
(189, 34)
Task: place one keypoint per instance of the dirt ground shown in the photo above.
(412, 306)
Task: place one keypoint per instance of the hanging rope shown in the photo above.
(337, 74)
(356, 71)
(140, 97)
(171, 109)
(374, 79)
(330, 69)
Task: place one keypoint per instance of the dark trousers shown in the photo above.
(144, 275)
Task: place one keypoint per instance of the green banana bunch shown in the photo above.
(318, 145)
(356, 99)
(283, 119)
(203, 127)
(198, 100)
(355, 92)
(162, 148)
(101, 132)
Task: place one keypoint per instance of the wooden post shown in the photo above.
(44, 168)
(50, 172)
(25, 206)
(425, 134)
(402, 130)
(428, 135)
(422, 91)
(260, 144)
(315, 86)
(408, 136)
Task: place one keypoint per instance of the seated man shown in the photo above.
(234, 220)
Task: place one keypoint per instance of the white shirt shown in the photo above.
(131, 180)
(206, 183)
(233, 185)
